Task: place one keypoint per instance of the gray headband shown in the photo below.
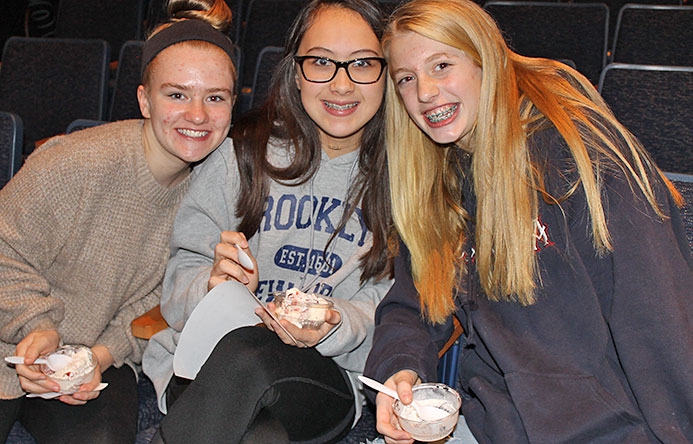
(181, 31)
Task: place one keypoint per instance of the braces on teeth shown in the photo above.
(441, 115)
(339, 107)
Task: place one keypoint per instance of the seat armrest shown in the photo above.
(150, 323)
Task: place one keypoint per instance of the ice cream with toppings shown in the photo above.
(304, 310)
(76, 371)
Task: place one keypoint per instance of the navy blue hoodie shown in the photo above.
(605, 355)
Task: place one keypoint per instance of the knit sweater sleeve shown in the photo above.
(31, 233)
(117, 336)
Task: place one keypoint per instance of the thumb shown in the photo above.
(95, 381)
(404, 381)
(333, 317)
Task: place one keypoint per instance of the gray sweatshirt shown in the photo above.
(288, 235)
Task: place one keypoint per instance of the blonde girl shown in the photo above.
(530, 213)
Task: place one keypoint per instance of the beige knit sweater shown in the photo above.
(84, 235)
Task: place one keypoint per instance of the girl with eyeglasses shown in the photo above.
(303, 191)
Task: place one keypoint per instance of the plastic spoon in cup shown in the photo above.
(425, 412)
(54, 361)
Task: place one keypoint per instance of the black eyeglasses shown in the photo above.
(322, 70)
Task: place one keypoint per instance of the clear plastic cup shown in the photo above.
(303, 314)
(79, 369)
(439, 396)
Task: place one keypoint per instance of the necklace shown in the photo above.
(328, 148)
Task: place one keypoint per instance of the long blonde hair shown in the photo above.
(519, 95)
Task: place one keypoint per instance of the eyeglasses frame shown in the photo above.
(300, 59)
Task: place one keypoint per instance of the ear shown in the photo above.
(297, 78)
(143, 100)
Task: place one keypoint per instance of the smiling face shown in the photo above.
(187, 103)
(340, 108)
(439, 85)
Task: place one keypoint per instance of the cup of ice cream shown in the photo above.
(435, 414)
(75, 366)
(304, 310)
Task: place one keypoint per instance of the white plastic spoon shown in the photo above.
(54, 361)
(51, 395)
(425, 412)
(244, 259)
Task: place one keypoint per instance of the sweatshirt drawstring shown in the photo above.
(468, 306)
(468, 341)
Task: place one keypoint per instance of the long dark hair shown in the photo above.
(283, 117)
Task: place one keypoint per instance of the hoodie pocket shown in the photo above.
(571, 409)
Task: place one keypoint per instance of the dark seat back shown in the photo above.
(573, 31)
(616, 5)
(80, 124)
(115, 21)
(654, 35)
(10, 146)
(266, 24)
(267, 60)
(51, 82)
(124, 103)
(654, 103)
(12, 19)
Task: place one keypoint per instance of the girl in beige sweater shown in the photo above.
(84, 230)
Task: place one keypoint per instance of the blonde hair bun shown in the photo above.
(214, 12)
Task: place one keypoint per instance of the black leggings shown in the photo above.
(256, 389)
(109, 419)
